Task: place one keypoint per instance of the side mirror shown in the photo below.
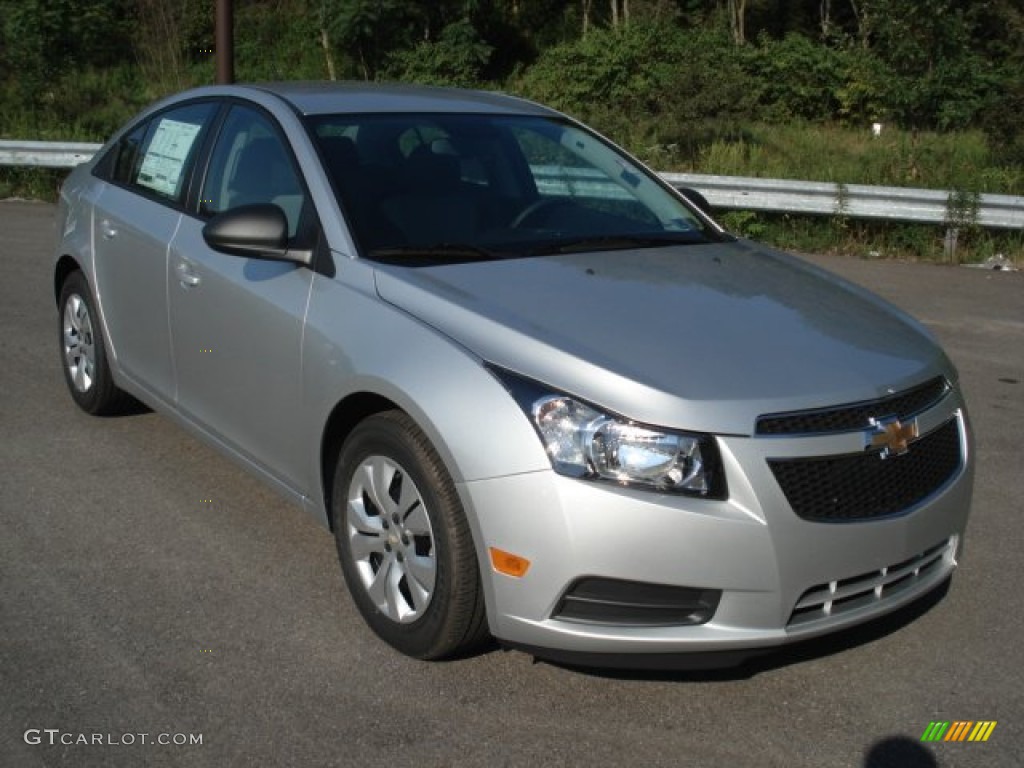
(259, 231)
(696, 198)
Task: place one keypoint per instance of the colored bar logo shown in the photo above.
(959, 730)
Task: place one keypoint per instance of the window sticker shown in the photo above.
(165, 157)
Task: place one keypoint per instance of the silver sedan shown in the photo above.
(534, 391)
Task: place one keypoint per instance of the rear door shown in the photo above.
(134, 220)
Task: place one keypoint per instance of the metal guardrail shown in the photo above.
(46, 154)
(857, 201)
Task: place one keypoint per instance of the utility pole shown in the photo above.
(225, 47)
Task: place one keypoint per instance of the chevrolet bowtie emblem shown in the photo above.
(891, 436)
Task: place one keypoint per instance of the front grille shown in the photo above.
(854, 416)
(862, 486)
(838, 597)
(592, 600)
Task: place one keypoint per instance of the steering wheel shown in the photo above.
(544, 205)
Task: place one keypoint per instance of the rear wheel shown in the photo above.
(403, 541)
(83, 353)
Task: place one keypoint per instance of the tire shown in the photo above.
(404, 543)
(83, 352)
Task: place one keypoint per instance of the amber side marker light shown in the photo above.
(509, 564)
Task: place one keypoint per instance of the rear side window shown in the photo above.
(157, 156)
(126, 155)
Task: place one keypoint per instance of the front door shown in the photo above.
(237, 322)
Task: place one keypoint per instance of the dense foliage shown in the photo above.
(706, 85)
(922, 64)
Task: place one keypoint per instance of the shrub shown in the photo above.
(800, 78)
(457, 58)
(647, 85)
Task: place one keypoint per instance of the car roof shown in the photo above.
(316, 98)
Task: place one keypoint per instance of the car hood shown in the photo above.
(699, 337)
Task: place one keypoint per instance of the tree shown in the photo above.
(938, 78)
(325, 42)
(863, 12)
(52, 49)
(800, 78)
(457, 58)
(738, 20)
(825, 14)
(619, 12)
(160, 45)
(647, 82)
(44, 38)
(369, 29)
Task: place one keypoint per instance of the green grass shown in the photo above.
(830, 153)
(30, 183)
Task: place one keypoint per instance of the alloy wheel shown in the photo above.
(391, 539)
(79, 348)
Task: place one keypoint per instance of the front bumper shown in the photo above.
(781, 578)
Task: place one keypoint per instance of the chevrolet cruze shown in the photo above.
(535, 392)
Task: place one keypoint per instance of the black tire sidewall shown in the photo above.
(102, 392)
(395, 436)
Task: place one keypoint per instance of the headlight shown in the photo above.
(583, 441)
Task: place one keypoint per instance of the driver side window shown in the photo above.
(251, 164)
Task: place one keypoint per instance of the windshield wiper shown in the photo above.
(440, 253)
(618, 242)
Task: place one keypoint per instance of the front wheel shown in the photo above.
(403, 541)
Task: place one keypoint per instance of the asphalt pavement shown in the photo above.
(151, 591)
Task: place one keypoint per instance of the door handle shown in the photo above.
(107, 230)
(186, 275)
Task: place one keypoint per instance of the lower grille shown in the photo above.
(838, 597)
(863, 486)
(636, 604)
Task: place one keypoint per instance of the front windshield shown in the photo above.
(477, 186)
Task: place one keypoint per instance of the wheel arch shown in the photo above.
(344, 417)
(66, 264)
